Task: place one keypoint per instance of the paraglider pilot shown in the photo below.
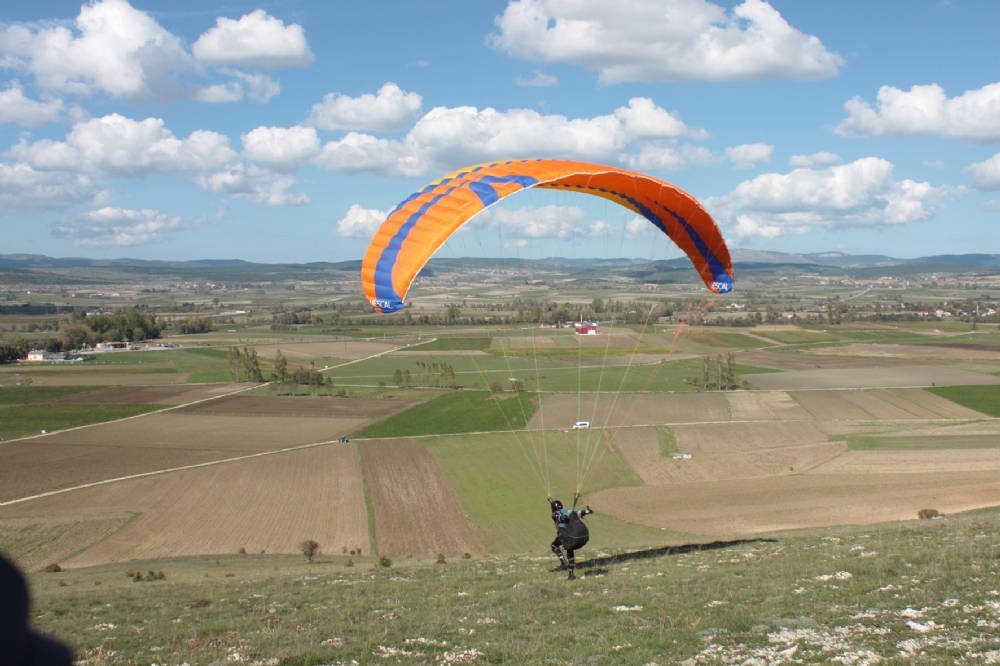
(571, 533)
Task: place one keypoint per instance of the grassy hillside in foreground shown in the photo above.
(915, 593)
(985, 399)
(457, 412)
(501, 484)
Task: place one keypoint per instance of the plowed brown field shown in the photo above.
(271, 503)
(417, 512)
(896, 462)
(146, 395)
(727, 438)
(158, 441)
(750, 506)
(830, 405)
(108, 379)
(937, 404)
(876, 406)
(249, 405)
(563, 410)
(765, 405)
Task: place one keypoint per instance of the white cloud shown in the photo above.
(749, 155)
(986, 174)
(25, 190)
(281, 149)
(600, 228)
(540, 79)
(448, 138)
(116, 49)
(936, 164)
(257, 41)
(990, 205)
(667, 40)
(638, 227)
(388, 110)
(259, 87)
(120, 227)
(660, 157)
(118, 146)
(924, 111)
(16, 108)
(562, 222)
(859, 194)
(360, 222)
(820, 159)
(115, 146)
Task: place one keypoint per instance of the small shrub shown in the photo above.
(53, 568)
(466, 556)
(926, 514)
(243, 551)
(230, 575)
(440, 559)
(349, 563)
(309, 548)
(384, 561)
(202, 603)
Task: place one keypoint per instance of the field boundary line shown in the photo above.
(158, 411)
(165, 471)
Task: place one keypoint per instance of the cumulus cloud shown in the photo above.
(281, 149)
(388, 110)
(662, 157)
(16, 108)
(561, 222)
(936, 164)
(540, 79)
(986, 174)
(360, 222)
(749, 155)
(120, 227)
(666, 40)
(256, 40)
(924, 111)
(116, 146)
(820, 159)
(449, 138)
(116, 49)
(859, 194)
(25, 190)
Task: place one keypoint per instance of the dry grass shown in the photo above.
(271, 503)
(764, 406)
(416, 511)
(728, 438)
(611, 410)
(35, 542)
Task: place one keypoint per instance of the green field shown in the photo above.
(455, 344)
(721, 342)
(457, 412)
(913, 593)
(206, 365)
(985, 399)
(24, 420)
(918, 443)
(23, 395)
(503, 481)
(794, 337)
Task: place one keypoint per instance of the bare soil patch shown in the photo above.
(303, 352)
(942, 352)
(897, 376)
(769, 504)
(640, 447)
(108, 379)
(765, 406)
(896, 462)
(610, 410)
(876, 406)
(830, 405)
(311, 407)
(266, 504)
(907, 405)
(727, 438)
(417, 512)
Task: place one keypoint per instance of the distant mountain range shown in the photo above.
(740, 257)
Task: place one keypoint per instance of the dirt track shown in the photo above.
(270, 503)
(417, 512)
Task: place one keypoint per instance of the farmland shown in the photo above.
(192, 460)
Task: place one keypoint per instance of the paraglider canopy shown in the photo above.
(421, 223)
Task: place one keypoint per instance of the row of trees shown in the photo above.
(244, 366)
(718, 374)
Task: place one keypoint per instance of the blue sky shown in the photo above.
(284, 131)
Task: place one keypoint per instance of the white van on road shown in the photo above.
(579, 425)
